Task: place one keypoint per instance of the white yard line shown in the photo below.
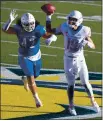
(92, 32)
(97, 52)
(91, 3)
(82, 2)
(13, 55)
(21, 9)
(12, 42)
(55, 47)
(86, 18)
(41, 54)
(4, 23)
(7, 64)
(36, 11)
(97, 33)
(49, 55)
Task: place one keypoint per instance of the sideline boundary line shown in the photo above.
(18, 67)
(84, 112)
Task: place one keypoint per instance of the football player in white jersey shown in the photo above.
(29, 32)
(76, 36)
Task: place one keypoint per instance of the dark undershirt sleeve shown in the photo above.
(51, 30)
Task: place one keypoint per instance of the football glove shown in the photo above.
(49, 40)
(48, 17)
(13, 15)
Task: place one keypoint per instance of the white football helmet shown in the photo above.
(28, 22)
(76, 17)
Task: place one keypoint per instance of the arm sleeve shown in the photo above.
(52, 30)
(58, 30)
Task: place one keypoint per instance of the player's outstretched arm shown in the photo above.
(88, 39)
(49, 9)
(48, 24)
(6, 27)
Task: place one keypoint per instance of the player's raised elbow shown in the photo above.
(9, 31)
(3, 29)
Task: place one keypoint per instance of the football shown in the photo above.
(48, 8)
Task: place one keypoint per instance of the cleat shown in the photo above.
(38, 105)
(38, 101)
(26, 87)
(96, 107)
(72, 110)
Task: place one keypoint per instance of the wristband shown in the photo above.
(48, 18)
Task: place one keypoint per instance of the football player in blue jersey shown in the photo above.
(29, 31)
(76, 36)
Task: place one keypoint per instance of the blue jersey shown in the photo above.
(29, 42)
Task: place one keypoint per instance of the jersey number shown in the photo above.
(28, 42)
(73, 45)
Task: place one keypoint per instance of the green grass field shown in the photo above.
(89, 8)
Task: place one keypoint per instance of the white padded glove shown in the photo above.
(48, 17)
(49, 40)
(13, 15)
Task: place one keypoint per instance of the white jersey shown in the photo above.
(73, 39)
